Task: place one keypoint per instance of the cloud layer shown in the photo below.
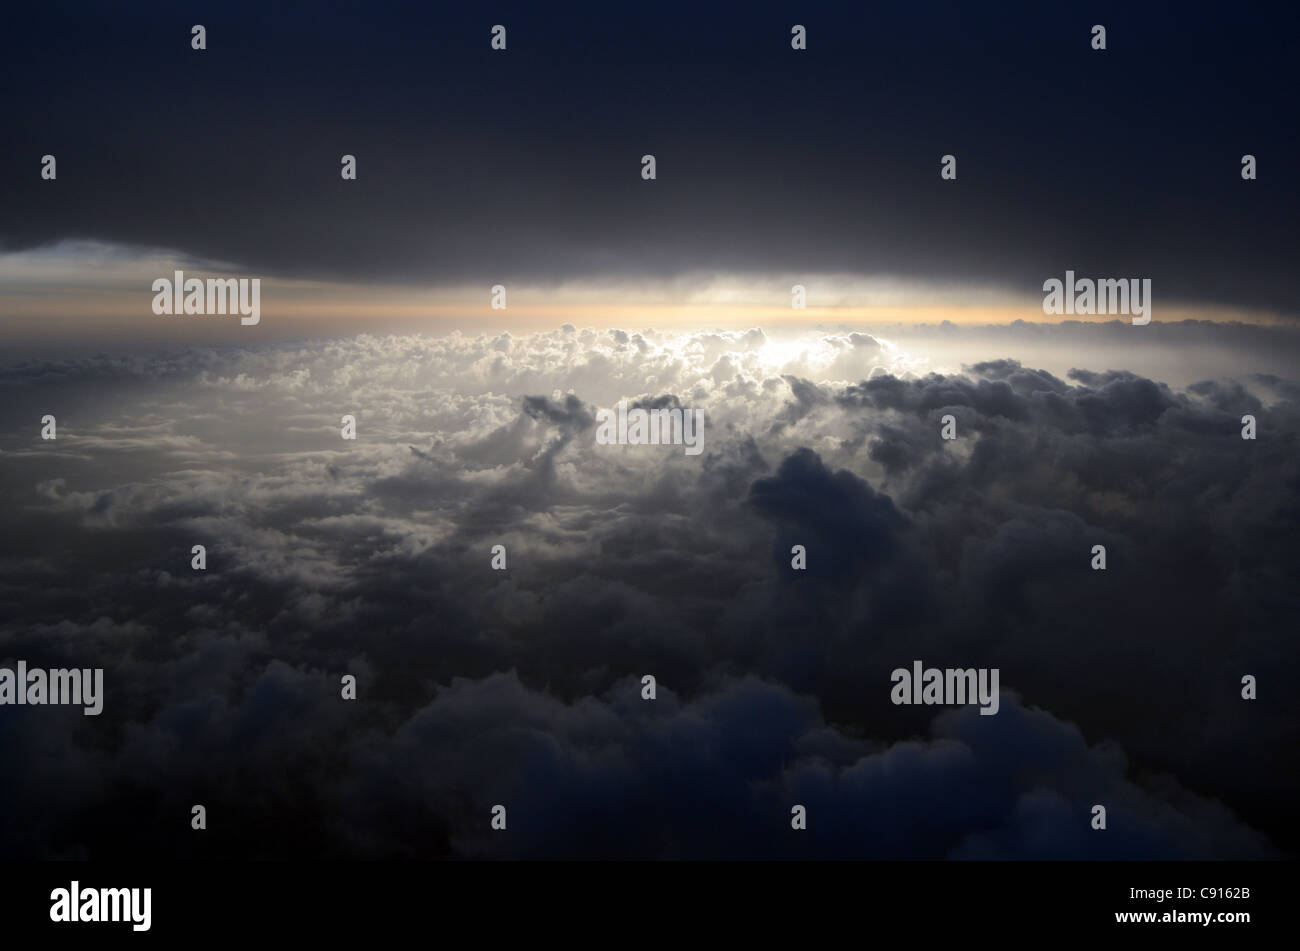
(522, 687)
(524, 165)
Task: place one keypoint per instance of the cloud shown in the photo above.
(429, 203)
(521, 687)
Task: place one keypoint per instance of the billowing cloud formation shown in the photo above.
(522, 687)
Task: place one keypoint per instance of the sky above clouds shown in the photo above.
(523, 167)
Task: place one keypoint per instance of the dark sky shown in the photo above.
(475, 165)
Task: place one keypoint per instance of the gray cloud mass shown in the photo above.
(522, 687)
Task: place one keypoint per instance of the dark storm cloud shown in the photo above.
(854, 529)
(481, 166)
(522, 687)
(569, 414)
